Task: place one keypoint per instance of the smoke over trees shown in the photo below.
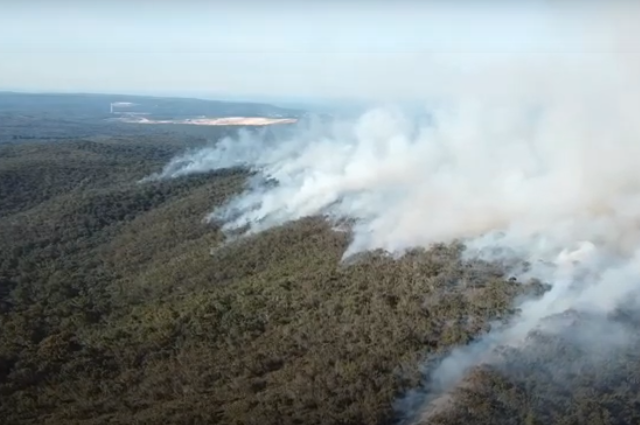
(534, 163)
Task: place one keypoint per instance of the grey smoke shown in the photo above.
(537, 156)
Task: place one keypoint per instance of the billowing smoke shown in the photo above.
(536, 159)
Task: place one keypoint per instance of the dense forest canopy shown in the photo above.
(118, 304)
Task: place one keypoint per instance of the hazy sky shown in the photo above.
(348, 49)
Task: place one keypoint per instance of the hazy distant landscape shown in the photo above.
(96, 106)
(119, 304)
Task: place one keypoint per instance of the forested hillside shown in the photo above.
(116, 308)
(119, 305)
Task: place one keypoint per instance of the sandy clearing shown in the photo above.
(245, 121)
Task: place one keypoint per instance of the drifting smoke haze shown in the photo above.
(533, 156)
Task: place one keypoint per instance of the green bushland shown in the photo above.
(120, 305)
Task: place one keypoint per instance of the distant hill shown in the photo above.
(98, 106)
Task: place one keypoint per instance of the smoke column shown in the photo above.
(538, 157)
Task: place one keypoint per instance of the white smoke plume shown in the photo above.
(539, 156)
